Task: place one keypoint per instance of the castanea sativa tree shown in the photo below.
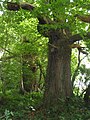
(56, 20)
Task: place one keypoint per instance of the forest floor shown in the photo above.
(14, 106)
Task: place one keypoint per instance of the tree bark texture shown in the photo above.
(58, 79)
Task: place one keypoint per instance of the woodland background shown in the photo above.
(24, 58)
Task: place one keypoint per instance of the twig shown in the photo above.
(53, 46)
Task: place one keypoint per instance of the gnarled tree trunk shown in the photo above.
(58, 79)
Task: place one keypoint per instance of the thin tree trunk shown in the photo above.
(22, 89)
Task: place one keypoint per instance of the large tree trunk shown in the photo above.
(58, 79)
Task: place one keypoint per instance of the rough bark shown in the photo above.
(58, 79)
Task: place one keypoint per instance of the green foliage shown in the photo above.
(74, 110)
(16, 106)
(19, 105)
(7, 115)
(17, 26)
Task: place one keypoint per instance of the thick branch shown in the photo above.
(15, 6)
(26, 6)
(78, 37)
(85, 18)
